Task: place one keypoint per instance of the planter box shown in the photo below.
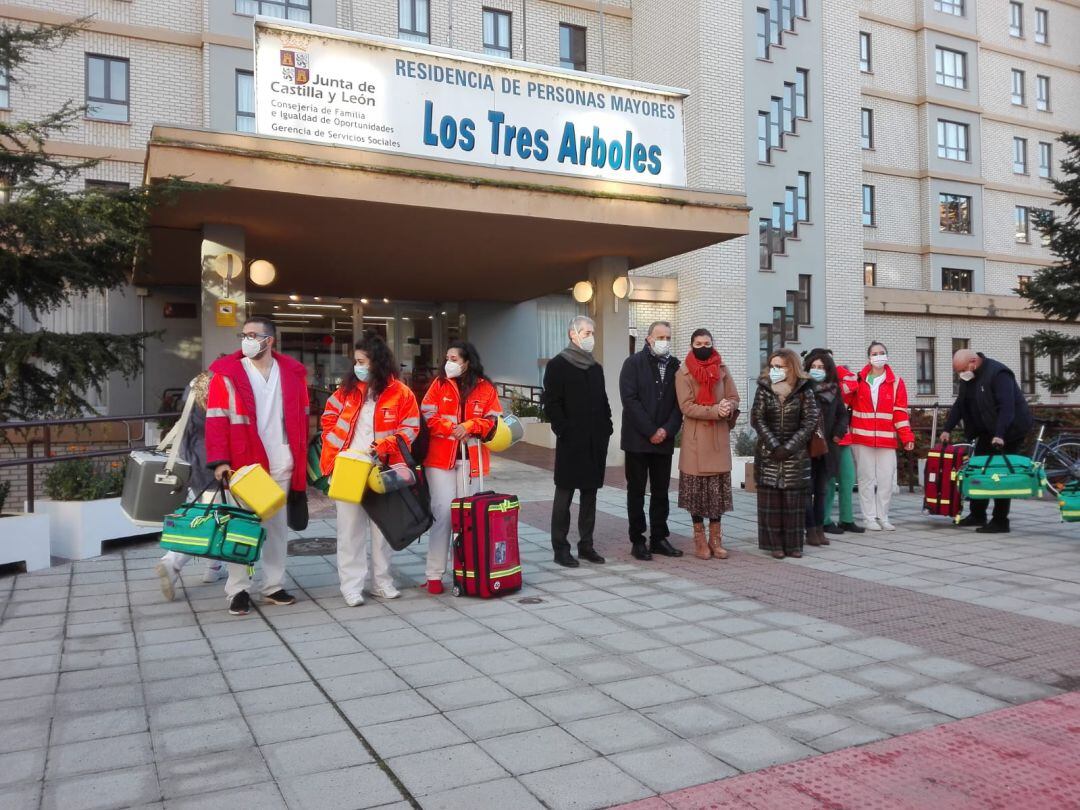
(539, 433)
(748, 480)
(25, 539)
(78, 528)
(739, 467)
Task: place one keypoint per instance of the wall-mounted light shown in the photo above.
(228, 265)
(622, 287)
(583, 292)
(262, 272)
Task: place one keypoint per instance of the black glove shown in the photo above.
(296, 514)
(781, 453)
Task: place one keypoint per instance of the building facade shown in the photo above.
(892, 154)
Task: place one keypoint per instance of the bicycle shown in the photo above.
(1060, 458)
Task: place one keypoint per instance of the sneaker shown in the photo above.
(168, 576)
(240, 604)
(434, 586)
(872, 526)
(354, 599)
(386, 593)
(214, 572)
(887, 526)
(280, 597)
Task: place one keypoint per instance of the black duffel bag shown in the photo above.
(404, 514)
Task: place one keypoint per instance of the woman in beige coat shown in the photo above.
(709, 401)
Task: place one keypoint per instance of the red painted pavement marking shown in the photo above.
(1026, 757)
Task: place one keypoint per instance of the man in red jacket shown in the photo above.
(257, 413)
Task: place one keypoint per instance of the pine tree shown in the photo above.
(57, 244)
(1055, 290)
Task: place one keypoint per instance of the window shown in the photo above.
(1039, 218)
(414, 20)
(1019, 155)
(800, 9)
(762, 33)
(572, 46)
(245, 101)
(106, 186)
(1018, 88)
(802, 300)
(924, 362)
(1057, 371)
(763, 137)
(496, 32)
(1042, 26)
(776, 115)
(1046, 159)
(1027, 366)
(765, 342)
(791, 322)
(787, 14)
(864, 52)
(789, 107)
(1042, 93)
(774, 22)
(954, 7)
(790, 211)
(295, 10)
(778, 226)
(1022, 217)
(868, 205)
(954, 279)
(867, 128)
(1016, 19)
(765, 244)
(950, 68)
(952, 140)
(869, 274)
(801, 78)
(5, 90)
(803, 197)
(1022, 284)
(954, 213)
(106, 88)
(957, 345)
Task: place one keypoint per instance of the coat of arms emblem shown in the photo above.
(295, 66)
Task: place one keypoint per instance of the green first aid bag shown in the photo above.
(1069, 503)
(214, 530)
(1000, 476)
(315, 477)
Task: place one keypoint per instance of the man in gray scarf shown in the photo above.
(576, 404)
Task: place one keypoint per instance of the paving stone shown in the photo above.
(630, 641)
(672, 767)
(827, 690)
(603, 670)
(1012, 690)
(35, 708)
(752, 748)
(327, 752)
(264, 796)
(436, 672)
(536, 750)
(584, 786)
(96, 755)
(694, 718)
(394, 657)
(652, 690)
(211, 772)
(295, 724)
(724, 649)
(508, 793)
(24, 736)
(121, 788)
(194, 711)
(22, 766)
(898, 717)
(955, 701)
(779, 640)
(240, 680)
(100, 699)
(941, 668)
(830, 659)
(773, 668)
(363, 712)
(612, 733)
(888, 677)
(712, 679)
(359, 786)
(669, 659)
(413, 735)
(433, 771)
(18, 797)
(575, 704)
(186, 741)
(534, 681)
(883, 649)
(764, 703)
(466, 693)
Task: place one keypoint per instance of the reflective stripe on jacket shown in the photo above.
(396, 414)
(442, 410)
(849, 387)
(887, 425)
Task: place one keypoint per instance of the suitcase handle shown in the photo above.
(465, 464)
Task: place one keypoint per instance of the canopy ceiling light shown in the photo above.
(262, 272)
(583, 292)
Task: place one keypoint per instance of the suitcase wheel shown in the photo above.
(457, 590)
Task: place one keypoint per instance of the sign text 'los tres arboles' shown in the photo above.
(333, 87)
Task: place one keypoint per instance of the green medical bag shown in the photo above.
(214, 530)
(1069, 503)
(1000, 476)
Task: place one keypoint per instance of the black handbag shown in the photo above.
(404, 514)
(296, 510)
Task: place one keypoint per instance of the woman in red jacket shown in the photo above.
(371, 410)
(880, 423)
(460, 406)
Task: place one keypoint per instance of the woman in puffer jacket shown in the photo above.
(785, 414)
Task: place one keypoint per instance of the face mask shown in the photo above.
(361, 372)
(661, 347)
(967, 376)
(452, 369)
(588, 343)
(817, 374)
(878, 360)
(251, 347)
(703, 353)
(777, 375)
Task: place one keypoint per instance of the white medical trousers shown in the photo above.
(275, 551)
(355, 533)
(876, 471)
(445, 485)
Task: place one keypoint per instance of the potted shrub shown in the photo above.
(742, 459)
(537, 430)
(26, 536)
(83, 506)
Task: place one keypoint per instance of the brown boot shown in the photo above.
(701, 548)
(813, 536)
(716, 538)
(824, 538)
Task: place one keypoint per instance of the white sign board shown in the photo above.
(323, 85)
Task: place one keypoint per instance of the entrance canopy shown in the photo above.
(350, 222)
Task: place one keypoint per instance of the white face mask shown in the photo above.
(777, 375)
(452, 369)
(878, 360)
(251, 347)
(361, 372)
(587, 343)
(967, 376)
(661, 347)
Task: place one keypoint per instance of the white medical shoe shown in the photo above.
(354, 599)
(871, 525)
(386, 593)
(169, 577)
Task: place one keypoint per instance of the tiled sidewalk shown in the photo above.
(591, 687)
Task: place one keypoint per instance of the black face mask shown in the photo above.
(703, 353)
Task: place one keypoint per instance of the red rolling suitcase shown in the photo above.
(941, 492)
(487, 562)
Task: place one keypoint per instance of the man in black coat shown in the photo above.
(996, 417)
(651, 418)
(576, 404)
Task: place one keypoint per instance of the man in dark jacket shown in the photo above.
(576, 404)
(996, 417)
(651, 418)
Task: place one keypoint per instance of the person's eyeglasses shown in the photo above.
(254, 335)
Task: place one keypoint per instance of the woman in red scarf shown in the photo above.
(709, 401)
